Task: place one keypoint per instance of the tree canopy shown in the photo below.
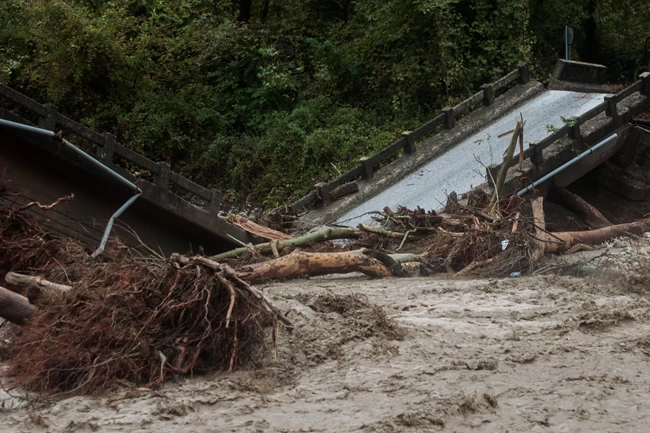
(263, 98)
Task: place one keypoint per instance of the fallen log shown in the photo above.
(329, 233)
(300, 263)
(34, 287)
(257, 229)
(380, 232)
(576, 204)
(565, 240)
(475, 265)
(15, 308)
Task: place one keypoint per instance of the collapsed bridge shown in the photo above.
(574, 113)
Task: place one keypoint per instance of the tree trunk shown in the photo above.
(503, 171)
(245, 10)
(319, 236)
(540, 227)
(576, 204)
(15, 308)
(300, 263)
(562, 241)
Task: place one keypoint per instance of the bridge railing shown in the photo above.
(324, 193)
(572, 130)
(107, 149)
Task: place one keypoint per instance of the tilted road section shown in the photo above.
(463, 166)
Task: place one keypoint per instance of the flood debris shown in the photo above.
(87, 325)
(90, 325)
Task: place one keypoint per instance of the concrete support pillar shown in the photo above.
(488, 94)
(645, 77)
(368, 172)
(537, 156)
(49, 121)
(611, 110)
(574, 131)
(491, 173)
(450, 118)
(409, 143)
(161, 180)
(323, 191)
(524, 73)
(215, 201)
(105, 153)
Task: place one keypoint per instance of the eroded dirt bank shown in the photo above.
(557, 354)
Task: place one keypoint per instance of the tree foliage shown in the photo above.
(264, 98)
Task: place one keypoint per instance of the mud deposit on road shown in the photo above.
(557, 354)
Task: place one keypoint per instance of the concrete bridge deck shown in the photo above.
(463, 166)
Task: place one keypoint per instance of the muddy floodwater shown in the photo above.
(539, 354)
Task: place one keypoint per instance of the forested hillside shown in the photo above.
(262, 98)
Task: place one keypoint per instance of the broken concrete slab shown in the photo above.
(580, 72)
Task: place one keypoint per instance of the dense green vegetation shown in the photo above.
(262, 98)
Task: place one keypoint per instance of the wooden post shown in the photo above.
(409, 143)
(450, 118)
(524, 73)
(162, 179)
(215, 201)
(106, 152)
(323, 191)
(49, 121)
(368, 172)
(611, 110)
(488, 94)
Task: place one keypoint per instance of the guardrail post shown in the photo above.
(488, 94)
(574, 129)
(49, 121)
(105, 153)
(162, 179)
(611, 110)
(491, 173)
(524, 73)
(450, 118)
(645, 77)
(537, 156)
(215, 201)
(409, 143)
(368, 172)
(323, 192)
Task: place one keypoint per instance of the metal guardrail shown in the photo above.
(321, 194)
(572, 129)
(107, 148)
